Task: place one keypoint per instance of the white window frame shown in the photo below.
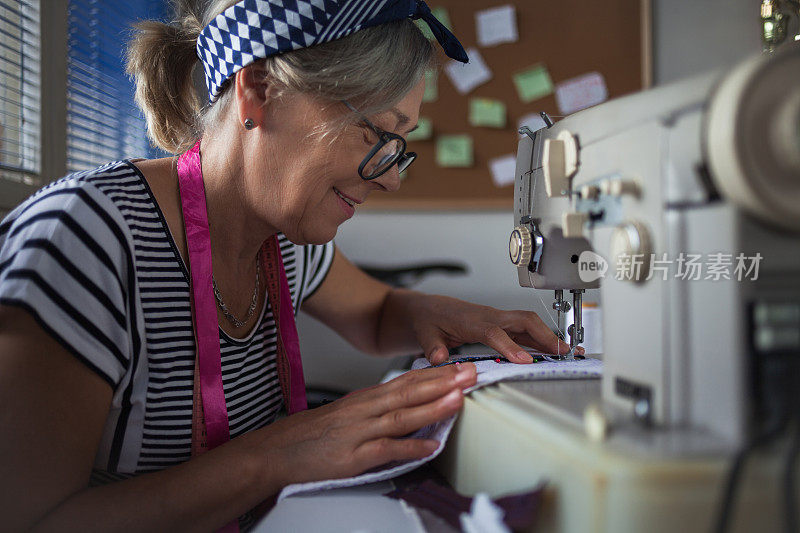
(53, 107)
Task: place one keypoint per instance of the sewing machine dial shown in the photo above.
(520, 246)
(631, 250)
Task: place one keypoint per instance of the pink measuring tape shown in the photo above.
(209, 412)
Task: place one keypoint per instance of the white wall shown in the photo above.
(690, 36)
(479, 240)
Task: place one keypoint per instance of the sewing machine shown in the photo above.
(621, 197)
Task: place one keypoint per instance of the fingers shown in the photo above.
(559, 345)
(526, 340)
(382, 444)
(536, 334)
(407, 420)
(552, 344)
(495, 337)
(414, 388)
(455, 375)
(437, 355)
(381, 451)
(542, 336)
(433, 344)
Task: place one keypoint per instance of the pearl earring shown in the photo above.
(249, 124)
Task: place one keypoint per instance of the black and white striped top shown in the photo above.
(91, 258)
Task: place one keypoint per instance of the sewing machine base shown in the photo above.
(512, 436)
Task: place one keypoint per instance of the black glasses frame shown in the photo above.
(403, 159)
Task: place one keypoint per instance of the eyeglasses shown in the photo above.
(390, 149)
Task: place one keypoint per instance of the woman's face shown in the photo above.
(306, 186)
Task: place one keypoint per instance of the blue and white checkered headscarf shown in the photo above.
(253, 29)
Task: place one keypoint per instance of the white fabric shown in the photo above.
(491, 372)
(488, 372)
(483, 517)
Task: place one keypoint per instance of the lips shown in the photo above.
(349, 201)
(346, 203)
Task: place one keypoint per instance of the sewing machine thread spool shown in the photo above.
(592, 328)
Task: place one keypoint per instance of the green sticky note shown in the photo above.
(454, 151)
(533, 83)
(431, 86)
(487, 112)
(423, 132)
(441, 14)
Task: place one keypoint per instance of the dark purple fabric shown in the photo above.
(425, 488)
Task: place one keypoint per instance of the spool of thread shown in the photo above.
(592, 328)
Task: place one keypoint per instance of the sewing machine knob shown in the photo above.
(520, 246)
(631, 251)
(619, 187)
(590, 192)
(572, 224)
(559, 163)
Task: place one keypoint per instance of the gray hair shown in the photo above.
(374, 68)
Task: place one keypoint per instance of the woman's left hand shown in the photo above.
(441, 322)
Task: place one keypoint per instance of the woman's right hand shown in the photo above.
(53, 409)
(364, 429)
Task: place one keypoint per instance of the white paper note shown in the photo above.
(497, 25)
(466, 77)
(504, 170)
(581, 92)
(534, 121)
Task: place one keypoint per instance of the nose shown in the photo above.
(389, 180)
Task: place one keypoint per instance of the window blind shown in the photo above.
(20, 94)
(103, 122)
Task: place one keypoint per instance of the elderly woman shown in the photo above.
(147, 339)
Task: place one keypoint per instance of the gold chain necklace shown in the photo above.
(224, 308)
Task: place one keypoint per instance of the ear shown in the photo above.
(253, 95)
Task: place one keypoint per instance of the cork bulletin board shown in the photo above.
(570, 38)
